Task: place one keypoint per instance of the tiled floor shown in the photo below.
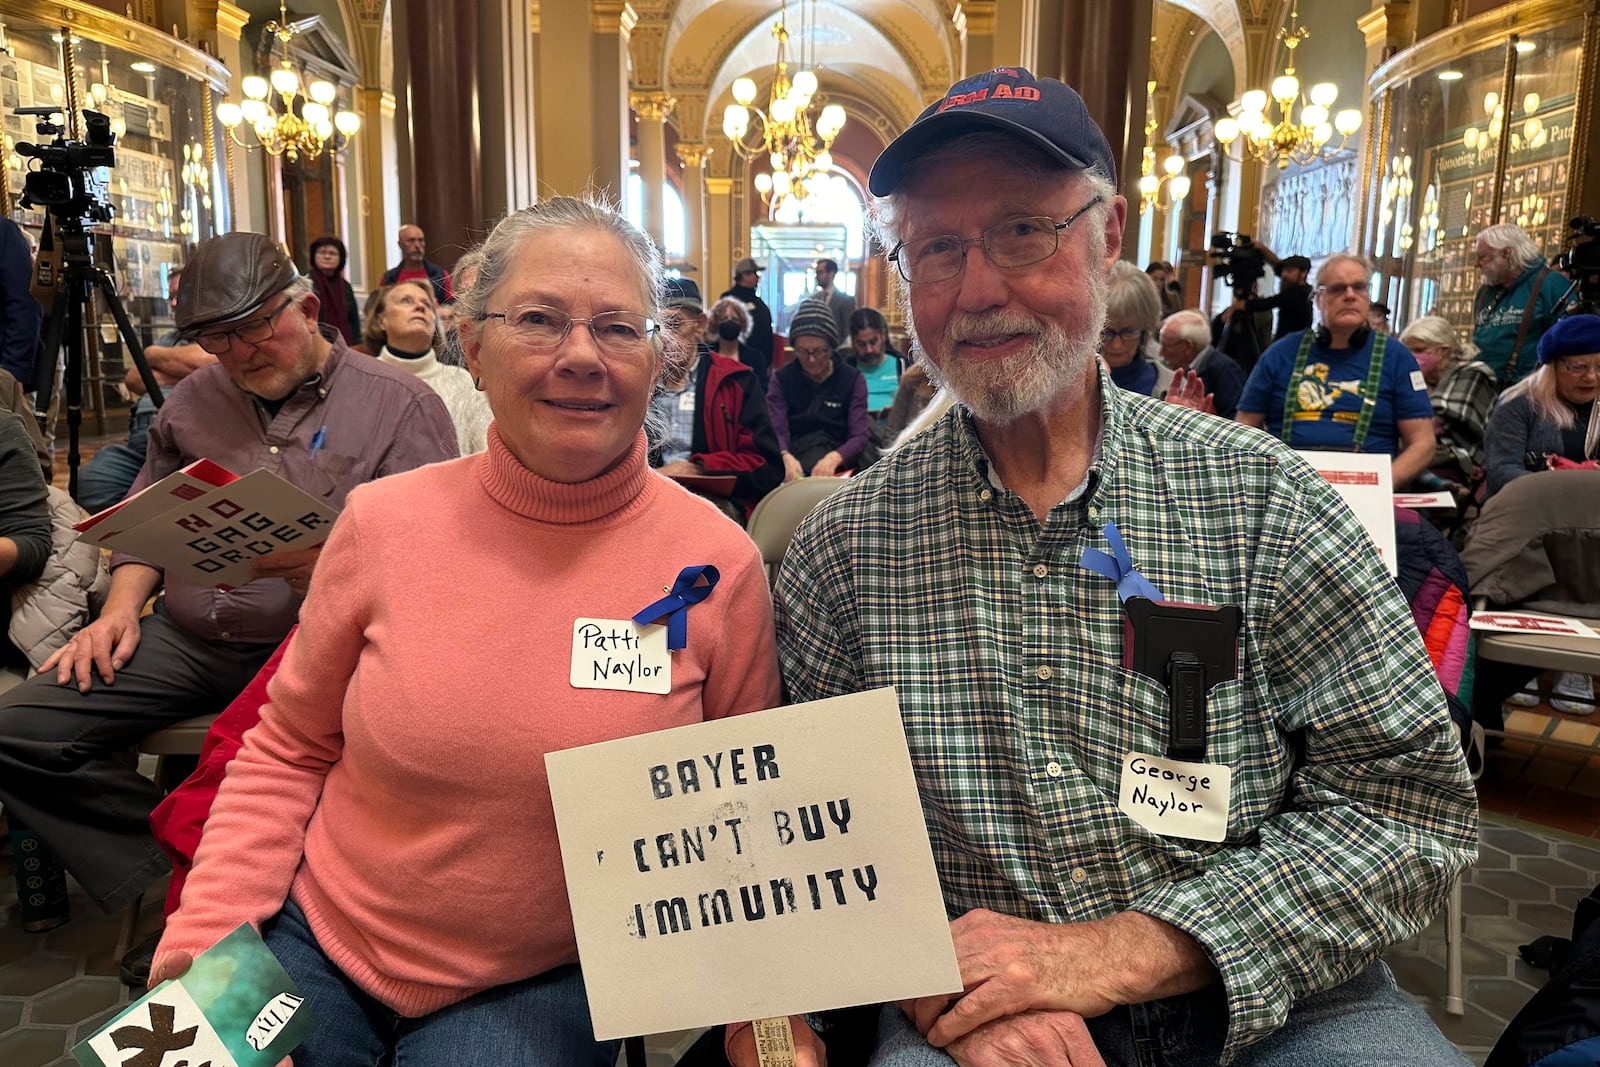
(55, 988)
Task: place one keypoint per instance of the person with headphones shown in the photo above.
(1343, 387)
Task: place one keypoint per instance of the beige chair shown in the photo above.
(773, 522)
(180, 739)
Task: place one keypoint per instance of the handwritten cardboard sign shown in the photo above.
(750, 867)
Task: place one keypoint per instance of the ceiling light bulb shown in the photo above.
(323, 92)
(347, 123)
(744, 91)
(1323, 94)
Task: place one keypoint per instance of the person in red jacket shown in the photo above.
(710, 413)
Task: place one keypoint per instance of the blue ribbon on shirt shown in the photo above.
(1118, 566)
(675, 605)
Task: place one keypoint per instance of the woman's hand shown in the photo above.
(176, 965)
(808, 1048)
(791, 468)
(827, 466)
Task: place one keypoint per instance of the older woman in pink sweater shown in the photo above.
(388, 825)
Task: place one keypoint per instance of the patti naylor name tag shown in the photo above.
(617, 654)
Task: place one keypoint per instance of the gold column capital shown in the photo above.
(979, 17)
(652, 106)
(693, 153)
(612, 17)
(231, 20)
(719, 186)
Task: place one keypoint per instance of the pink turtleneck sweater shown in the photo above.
(395, 787)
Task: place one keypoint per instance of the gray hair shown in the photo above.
(1345, 257)
(1028, 163)
(486, 266)
(1189, 325)
(736, 309)
(1133, 297)
(298, 289)
(1510, 237)
(1434, 331)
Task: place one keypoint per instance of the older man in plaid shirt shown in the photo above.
(952, 571)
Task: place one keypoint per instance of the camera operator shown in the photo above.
(1292, 301)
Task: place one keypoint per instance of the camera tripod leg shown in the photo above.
(52, 335)
(130, 339)
(73, 391)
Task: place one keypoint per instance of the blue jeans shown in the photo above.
(1367, 1022)
(541, 1021)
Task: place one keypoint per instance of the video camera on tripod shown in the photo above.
(1580, 261)
(65, 185)
(1238, 261)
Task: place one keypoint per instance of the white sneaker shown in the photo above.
(1523, 699)
(1573, 694)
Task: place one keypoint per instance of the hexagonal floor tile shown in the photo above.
(34, 974)
(29, 1046)
(70, 1002)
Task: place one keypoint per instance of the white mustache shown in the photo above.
(988, 324)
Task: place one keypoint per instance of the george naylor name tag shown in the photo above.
(1174, 798)
(619, 654)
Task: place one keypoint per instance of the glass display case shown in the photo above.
(168, 188)
(1477, 125)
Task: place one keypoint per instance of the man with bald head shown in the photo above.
(1186, 348)
(414, 263)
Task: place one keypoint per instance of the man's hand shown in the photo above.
(176, 965)
(293, 567)
(827, 466)
(104, 646)
(1032, 1039)
(1187, 390)
(808, 1047)
(681, 467)
(791, 468)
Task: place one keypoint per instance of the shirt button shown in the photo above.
(273, 450)
(322, 392)
(1045, 674)
(985, 495)
(226, 635)
(1079, 876)
(1040, 570)
(1094, 512)
(1053, 769)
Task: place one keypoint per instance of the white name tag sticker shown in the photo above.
(617, 654)
(686, 400)
(1418, 382)
(1176, 799)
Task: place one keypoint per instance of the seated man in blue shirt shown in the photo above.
(1342, 387)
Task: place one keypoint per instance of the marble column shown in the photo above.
(652, 109)
(692, 154)
(582, 96)
(447, 188)
(720, 234)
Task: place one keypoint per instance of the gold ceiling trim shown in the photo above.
(97, 24)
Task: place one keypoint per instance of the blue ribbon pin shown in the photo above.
(675, 605)
(1118, 566)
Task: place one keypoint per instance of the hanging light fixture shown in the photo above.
(1150, 183)
(1290, 139)
(797, 146)
(300, 121)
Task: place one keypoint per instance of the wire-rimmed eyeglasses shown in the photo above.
(1013, 243)
(538, 326)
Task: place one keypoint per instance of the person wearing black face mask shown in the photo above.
(728, 333)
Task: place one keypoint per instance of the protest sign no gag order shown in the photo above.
(757, 866)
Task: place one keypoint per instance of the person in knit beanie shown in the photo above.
(818, 402)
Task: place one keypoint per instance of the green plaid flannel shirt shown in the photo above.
(1351, 811)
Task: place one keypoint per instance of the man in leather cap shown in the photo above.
(280, 396)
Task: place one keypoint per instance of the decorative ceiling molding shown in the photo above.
(1229, 21)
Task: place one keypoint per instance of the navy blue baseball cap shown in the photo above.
(1042, 111)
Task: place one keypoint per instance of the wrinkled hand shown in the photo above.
(681, 468)
(808, 1047)
(1010, 966)
(1187, 390)
(104, 646)
(827, 466)
(791, 468)
(175, 965)
(1032, 1039)
(293, 567)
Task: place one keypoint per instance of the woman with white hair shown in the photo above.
(1128, 339)
(1461, 388)
(1518, 301)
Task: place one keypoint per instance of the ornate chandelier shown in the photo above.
(796, 147)
(299, 122)
(1288, 140)
(1150, 183)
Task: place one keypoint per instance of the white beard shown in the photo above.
(1001, 391)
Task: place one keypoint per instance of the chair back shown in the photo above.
(773, 522)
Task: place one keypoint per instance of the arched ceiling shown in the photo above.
(1228, 19)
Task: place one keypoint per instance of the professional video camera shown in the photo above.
(1237, 261)
(65, 184)
(1580, 261)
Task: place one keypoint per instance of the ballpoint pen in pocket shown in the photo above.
(316, 441)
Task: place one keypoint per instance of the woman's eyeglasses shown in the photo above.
(1131, 333)
(537, 327)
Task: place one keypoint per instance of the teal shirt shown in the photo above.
(1351, 810)
(1497, 318)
